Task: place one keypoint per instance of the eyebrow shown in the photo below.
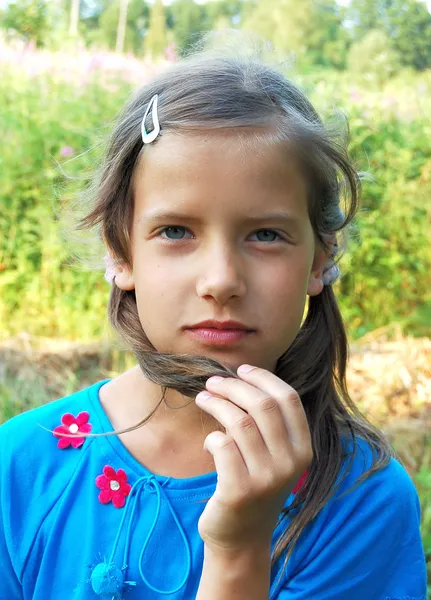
(157, 216)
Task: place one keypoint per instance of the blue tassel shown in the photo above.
(107, 580)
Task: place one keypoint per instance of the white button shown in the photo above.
(114, 485)
(74, 428)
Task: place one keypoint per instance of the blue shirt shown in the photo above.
(62, 521)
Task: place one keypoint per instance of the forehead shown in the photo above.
(247, 171)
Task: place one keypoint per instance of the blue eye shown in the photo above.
(176, 232)
(268, 235)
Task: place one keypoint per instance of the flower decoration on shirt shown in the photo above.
(72, 426)
(300, 483)
(114, 487)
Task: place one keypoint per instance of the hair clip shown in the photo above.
(331, 271)
(148, 137)
(331, 274)
(112, 267)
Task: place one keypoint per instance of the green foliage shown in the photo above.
(365, 15)
(39, 278)
(387, 273)
(385, 276)
(410, 32)
(373, 57)
(311, 30)
(187, 22)
(29, 19)
(156, 41)
(386, 34)
(386, 268)
(104, 32)
(423, 484)
(406, 24)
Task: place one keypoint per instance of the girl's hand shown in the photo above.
(259, 460)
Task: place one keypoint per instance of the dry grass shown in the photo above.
(389, 380)
(391, 383)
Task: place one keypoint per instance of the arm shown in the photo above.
(10, 588)
(266, 447)
(366, 545)
(235, 576)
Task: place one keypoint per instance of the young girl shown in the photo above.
(231, 462)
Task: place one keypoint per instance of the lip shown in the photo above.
(219, 333)
(212, 336)
(223, 325)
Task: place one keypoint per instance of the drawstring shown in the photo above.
(107, 579)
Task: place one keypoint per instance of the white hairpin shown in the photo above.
(331, 274)
(331, 271)
(148, 137)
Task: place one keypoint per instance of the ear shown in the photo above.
(315, 280)
(124, 278)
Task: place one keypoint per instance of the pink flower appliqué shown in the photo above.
(72, 425)
(114, 487)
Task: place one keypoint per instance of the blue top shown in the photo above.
(67, 531)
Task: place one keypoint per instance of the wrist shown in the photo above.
(236, 573)
(247, 553)
(237, 563)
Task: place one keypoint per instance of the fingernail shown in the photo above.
(203, 396)
(215, 380)
(245, 369)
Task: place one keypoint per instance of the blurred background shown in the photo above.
(66, 69)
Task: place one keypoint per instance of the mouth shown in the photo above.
(219, 333)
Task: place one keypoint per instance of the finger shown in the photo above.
(288, 399)
(232, 472)
(242, 428)
(263, 408)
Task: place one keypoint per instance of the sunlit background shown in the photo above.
(67, 67)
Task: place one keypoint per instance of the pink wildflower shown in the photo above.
(67, 151)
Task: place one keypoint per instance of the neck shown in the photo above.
(170, 443)
(131, 397)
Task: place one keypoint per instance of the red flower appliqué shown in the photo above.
(300, 483)
(114, 486)
(72, 425)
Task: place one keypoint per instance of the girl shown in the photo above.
(230, 463)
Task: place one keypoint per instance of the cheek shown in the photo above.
(287, 279)
(283, 291)
(158, 290)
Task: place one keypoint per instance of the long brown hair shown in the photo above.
(222, 91)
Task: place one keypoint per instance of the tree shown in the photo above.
(187, 22)
(227, 13)
(74, 18)
(307, 29)
(409, 28)
(328, 41)
(406, 23)
(365, 15)
(105, 31)
(122, 23)
(28, 19)
(156, 40)
(373, 57)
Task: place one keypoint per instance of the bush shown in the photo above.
(48, 121)
(373, 58)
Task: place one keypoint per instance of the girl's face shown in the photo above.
(221, 232)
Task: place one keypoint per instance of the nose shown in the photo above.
(222, 274)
